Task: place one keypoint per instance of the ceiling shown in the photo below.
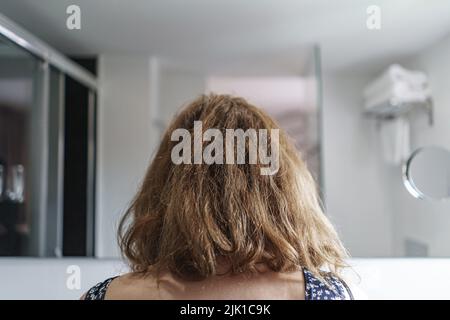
(216, 30)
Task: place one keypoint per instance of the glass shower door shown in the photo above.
(21, 115)
(47, 148)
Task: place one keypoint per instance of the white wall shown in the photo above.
(354, 179)
(420, 220)
(177, 88)
(365, 197)
(125, 140)
(137, 98)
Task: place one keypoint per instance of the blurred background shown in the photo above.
(87, 87)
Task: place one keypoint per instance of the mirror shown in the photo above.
(307, 65)
(427, 173)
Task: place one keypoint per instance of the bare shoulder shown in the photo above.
(132, 286)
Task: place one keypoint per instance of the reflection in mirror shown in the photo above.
(47, 155)
(356, 103)
(427, 173)
(20, 113)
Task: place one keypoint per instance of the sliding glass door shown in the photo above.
(47, 157)
(21, 163)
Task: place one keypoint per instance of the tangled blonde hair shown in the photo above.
(188, 219)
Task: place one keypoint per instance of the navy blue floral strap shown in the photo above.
(316, 289)
(98, 291)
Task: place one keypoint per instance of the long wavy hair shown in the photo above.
(189, 219)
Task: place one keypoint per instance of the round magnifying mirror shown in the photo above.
(426, 174)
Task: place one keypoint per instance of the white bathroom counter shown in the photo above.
(47, 278)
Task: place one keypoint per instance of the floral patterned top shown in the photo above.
(334, 289)
(315, 289)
